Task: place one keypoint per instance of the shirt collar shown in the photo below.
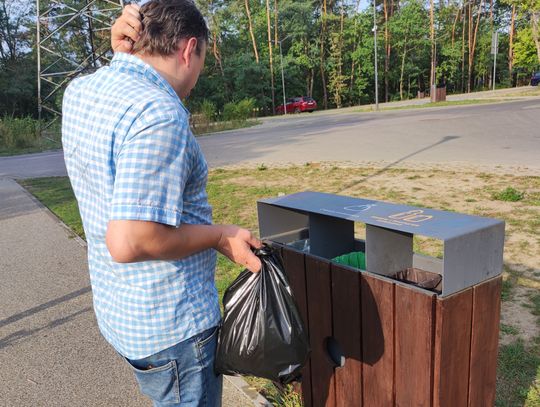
(133, 64)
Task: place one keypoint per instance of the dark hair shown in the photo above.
(166, 22)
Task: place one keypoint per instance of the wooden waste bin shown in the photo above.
(377, 341)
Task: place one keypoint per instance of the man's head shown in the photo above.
(173, 31)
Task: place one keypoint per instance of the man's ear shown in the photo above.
(190, 50)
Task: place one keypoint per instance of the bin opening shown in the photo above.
(300, 245)
(354, 259)
(420, 278)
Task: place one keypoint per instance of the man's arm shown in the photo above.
(134, 241)
(126, 29)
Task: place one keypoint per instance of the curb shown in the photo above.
(241, 385)
(51, 214)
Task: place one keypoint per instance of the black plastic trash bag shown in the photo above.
(262, 332)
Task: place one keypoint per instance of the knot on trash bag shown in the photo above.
(265, 250)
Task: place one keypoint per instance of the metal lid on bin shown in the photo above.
(433, 223)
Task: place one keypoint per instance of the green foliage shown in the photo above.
(333, 47)
(509, 194)
(18, 133)
(525, 50)
(240, 111)
(208, 110)
(285, 397)
(21, 135)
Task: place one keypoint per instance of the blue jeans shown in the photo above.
(182, 375)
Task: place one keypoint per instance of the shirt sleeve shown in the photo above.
(152, 167)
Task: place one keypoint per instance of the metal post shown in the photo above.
(52, 18)
(375, 46)
(282, 78)
(494, 68)
(494, 50)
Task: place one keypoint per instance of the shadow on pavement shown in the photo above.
(386, 168)
(43, 307)
(25, 333)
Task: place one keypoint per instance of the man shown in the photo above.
(140, 180)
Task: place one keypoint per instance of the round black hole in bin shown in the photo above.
(335, 352)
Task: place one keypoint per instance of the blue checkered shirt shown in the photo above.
(130, 155)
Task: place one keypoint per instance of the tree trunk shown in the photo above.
(386, 49)
(471, 54)
(535, 17)
(312, 82)
(270, 56)
(469, 44)
(340, 59)
(511, 45)
(454, 25)
(323, 37)
(402, 71)
(432, 37)
(250, 23)
(276, 34)
(217, 53)
(353, 62)
(464, 14)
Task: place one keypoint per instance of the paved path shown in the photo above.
(486, 135)
(51, 352)
(500, 134)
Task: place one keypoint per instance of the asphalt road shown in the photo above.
(503, 134)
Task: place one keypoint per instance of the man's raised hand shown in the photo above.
(126, 29)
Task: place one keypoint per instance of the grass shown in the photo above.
(436, 104)
(518, 378)
(56, 194)
(233, 193)
(509, 330)
(519, 375)
(509, 195)
(533, 92)
(206, 130)
(21, 136)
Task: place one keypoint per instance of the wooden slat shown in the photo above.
(377, 298)
(346, 308)
(452, 349)
(293, 262)
(319, 299)
(484, 343)
(414, 338)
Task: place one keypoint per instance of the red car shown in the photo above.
(298, 105)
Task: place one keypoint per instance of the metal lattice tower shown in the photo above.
(73, 37)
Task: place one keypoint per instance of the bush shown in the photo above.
(245, 108)
(240, 111)
(229, 112)
(208, 110)
(204, 117)
(18, 133)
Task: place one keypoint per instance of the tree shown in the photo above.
(409, 28)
